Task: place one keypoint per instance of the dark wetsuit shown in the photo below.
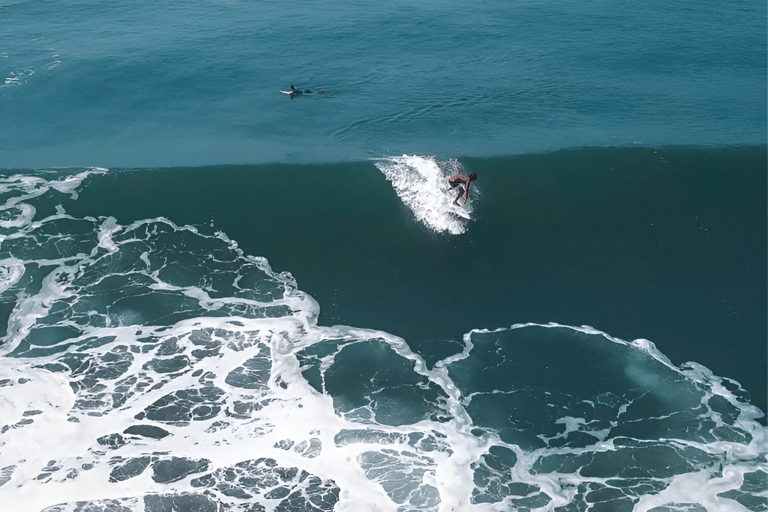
(296, 92)
(462, 181)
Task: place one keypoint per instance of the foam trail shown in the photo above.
(421, 184)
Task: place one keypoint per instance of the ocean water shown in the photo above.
(214, 297)
(196, 83)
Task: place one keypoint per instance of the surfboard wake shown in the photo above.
(422, 184)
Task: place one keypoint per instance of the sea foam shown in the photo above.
(421, 183)
(151, 366)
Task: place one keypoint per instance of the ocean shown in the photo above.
(218, 297)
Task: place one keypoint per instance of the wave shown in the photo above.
(420, 182)
(150, 366)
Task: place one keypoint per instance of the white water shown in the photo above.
(421, 183)
(167, 327)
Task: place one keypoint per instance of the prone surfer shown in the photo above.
(297, 92)
(462, 181)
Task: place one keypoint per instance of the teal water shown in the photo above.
(196, 83)
(666, 244)
(214, 297)
(313, 337)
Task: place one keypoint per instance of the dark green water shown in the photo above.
(667, 244)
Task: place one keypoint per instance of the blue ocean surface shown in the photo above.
(141, 84)
(218, 297)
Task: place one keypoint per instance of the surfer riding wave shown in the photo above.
(462, 181)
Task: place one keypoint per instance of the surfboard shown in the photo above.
(456, 210)
(287, 92)
(459, 211)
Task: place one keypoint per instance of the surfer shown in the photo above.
(296, 92)
(462, 181)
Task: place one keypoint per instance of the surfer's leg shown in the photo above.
(459, 195)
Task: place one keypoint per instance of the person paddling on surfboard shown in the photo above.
(295, 92)
(462, 181)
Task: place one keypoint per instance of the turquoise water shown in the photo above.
(215, 297)
(196, 83)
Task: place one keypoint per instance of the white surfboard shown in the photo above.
(456, 210)
(459, 211)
